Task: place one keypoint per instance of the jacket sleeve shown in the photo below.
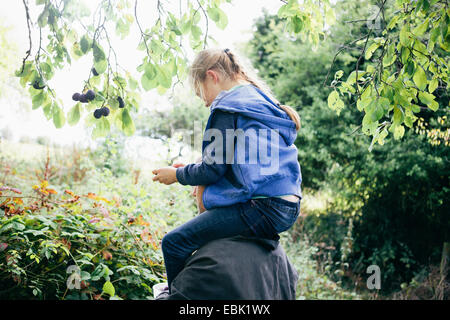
(203, 173)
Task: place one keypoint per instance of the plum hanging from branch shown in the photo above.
(83, 98)
(90, 95)
(105, 111)
(76, 96)
(121, 102)
(37, 86)
(98, 113)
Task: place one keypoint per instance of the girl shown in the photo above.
(243, 194)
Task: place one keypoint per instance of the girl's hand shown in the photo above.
(178, 165)
(166, 175)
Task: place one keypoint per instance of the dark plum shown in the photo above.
(98, 113)
(121, 102)
(76, 96)
(90, 95)
(83, 98)
(37, 86)
(105, 111)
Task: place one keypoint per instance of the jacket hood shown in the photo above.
(251, 102)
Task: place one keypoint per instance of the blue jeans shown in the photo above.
(263, 218)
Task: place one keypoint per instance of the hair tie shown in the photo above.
(227, 51)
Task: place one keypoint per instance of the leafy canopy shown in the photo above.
(408, 56)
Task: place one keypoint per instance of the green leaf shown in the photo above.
(147, 83)
(47, 70)
(415, 108)
(393, 22)
(422, 28)
(163, 77)
(335, 102)
(38, 100)
(85, 44)
(185, 27)
(59, 118)
(433, 85)
(223, 20)
(369, 127)
(371, 50)
(338, 74)
(213, 13)
(384, 103)
(444, 26)
(196, 31)
(383, 134)
(410, 68)
(98, 52)
(122, 28)
(352, 77)
(100, 66)
(297, 23)
(398, 116)
(74, 115)
(429, 100)
(101, 129)
(109, 288)
(378, 112)
(330, 16)
(127, 123)
(404, 36)
(390, 56)
(43, 18)
(399, 131)
(420, 78)
(150, 71)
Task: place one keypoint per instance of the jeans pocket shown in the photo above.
(285, 214)
(279, 212)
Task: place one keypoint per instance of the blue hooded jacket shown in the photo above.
(267, 166)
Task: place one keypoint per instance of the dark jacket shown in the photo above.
(236, 268)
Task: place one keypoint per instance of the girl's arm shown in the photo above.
(198, 194)
(196, 174)
(203, 173)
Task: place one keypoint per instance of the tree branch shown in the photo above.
(28, 53)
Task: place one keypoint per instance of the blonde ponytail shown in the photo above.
(293, 115)
(226, 63)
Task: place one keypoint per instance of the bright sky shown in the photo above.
(241, 14)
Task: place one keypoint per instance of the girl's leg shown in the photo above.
(212, 224)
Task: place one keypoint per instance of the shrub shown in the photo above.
(106, 233)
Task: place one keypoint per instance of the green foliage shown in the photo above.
(405, 219)
(70, 31)
(403, 53)
(105, 229)
(312, 283)
(394, 186)
(402, 57)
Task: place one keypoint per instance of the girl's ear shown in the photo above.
(214, 76)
